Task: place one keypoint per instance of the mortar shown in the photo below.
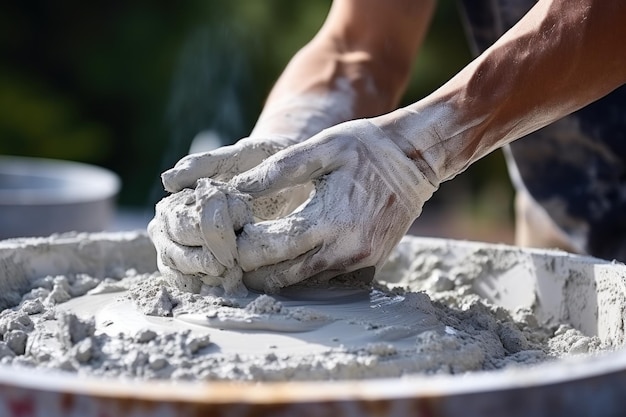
(558, 286)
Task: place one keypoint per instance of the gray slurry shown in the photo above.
(422, 319)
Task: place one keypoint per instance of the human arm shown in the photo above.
(561, 56)
(356, 66)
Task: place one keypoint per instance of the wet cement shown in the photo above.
(428, 317)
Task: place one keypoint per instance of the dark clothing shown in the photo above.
(576, 167)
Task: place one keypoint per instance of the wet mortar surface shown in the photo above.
(135, 325)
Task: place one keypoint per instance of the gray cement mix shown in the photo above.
(421, 318)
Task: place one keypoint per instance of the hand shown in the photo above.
(184, 251)
(367, 194)
(194, 235)
(326, 83)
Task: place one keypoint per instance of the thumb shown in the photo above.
(292, 166)
(283, 170)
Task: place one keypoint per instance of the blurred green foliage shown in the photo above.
(127, 85)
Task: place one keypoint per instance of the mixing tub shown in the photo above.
(588, 293)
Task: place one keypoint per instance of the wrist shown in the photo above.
(443, 133)
(421, 135)
(406, 178)
(301, 115)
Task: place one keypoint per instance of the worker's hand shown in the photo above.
(367, 194)
(185, 253)
(194, 235)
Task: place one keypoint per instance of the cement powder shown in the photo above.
(422, 318)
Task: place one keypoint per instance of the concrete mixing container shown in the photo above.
(588, 293)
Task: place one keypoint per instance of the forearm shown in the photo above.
(561, 56)
(356, 66)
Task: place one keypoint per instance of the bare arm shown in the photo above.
(561, 56)
(356, 66)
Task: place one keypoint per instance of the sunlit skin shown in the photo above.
(561, 56)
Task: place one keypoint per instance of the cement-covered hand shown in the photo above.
(194, 235)
(184, 228)
(185, 251)
(367, 194)
(190, 252)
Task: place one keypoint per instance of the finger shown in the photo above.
(200, 165)
(177, 215)
(186, 172)
(233, 284)
(240, 208)
(215, 222)
(184, 282)
(275, 241)
(271, 278)
(318, 267)
(295, 165)
(224, 163)
(189, 260)
(186, 259)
